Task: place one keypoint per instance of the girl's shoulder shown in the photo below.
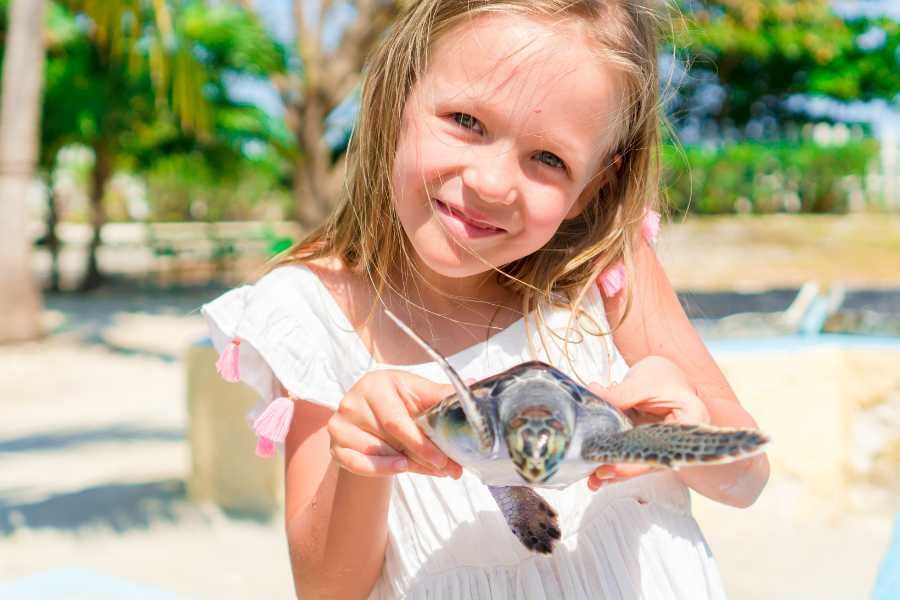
(291, 327)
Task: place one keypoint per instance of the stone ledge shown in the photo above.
(834, 415)
(224, 467)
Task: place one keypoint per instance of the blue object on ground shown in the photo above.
(887, 586)
(813, 320)
(80, 584)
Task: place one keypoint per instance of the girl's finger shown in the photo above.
(651, 377)
(607, 474)
(415, 467)
(404, 434)
(622, 471)
(346, 435)
(369, 466)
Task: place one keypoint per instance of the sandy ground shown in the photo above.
(93, 458)
(93, 465)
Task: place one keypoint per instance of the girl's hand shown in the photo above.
(373, 431)
(655, 389)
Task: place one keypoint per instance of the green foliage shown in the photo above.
(104, 93)
(765, 50)
(186, 187)
(231, 39)
(764, 178)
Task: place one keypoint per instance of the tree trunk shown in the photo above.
(93, 277)
(328, 76)
(51, 239)
(20, 111)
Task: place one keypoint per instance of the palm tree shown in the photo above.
(157, 70)
(325, 79)
(23, 70)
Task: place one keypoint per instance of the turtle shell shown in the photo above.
(537, 386)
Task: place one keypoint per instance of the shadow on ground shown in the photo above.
(117, 506)
(61, 440)
(90, 316)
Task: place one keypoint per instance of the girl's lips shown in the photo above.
(470, 227)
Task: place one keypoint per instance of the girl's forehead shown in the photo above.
(525, 67)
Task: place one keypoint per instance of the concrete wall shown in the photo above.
(224, 467)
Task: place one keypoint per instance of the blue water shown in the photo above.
(789, 343)
(80, 584)
(887, 586)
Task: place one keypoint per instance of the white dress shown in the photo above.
(447, 539)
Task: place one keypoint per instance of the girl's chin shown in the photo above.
(451, 261)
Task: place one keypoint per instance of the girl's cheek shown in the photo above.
(546, 209)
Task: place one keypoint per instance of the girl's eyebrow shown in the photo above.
(485, 107)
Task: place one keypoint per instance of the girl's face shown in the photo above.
(502, 139)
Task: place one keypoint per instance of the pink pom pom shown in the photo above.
(265, 448)
(612, 280)
(650, 225)
(272, 425)
(228, 364)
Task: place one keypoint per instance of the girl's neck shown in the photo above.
(436, 294)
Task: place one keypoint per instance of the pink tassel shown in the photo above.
(650, 225)
(272, 425)
(612, 280)
(265, 448)
(228, 364)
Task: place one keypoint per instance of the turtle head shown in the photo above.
(537, 438)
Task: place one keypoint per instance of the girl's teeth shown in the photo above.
(468, 220)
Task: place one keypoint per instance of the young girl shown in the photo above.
(499, 200)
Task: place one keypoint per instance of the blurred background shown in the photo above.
(154, 153)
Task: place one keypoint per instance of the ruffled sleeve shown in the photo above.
(284, 330)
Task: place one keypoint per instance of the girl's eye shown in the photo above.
(467, 121)
(551, 160)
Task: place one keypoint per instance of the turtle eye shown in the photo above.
(517, 423)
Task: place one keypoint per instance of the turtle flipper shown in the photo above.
(674, 445)
(474, 415)
(529, 517)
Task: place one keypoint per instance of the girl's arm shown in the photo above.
(656, 325)
(337, 557)
(338, 475)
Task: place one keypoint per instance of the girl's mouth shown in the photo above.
(462, 224)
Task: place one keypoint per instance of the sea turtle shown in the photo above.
(533, 426)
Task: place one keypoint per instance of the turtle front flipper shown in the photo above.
(475, 417)
(674, 445)
(529, 517)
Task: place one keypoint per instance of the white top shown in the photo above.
(447, 539)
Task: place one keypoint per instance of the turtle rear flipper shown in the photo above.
(674, 445)
(529, 517)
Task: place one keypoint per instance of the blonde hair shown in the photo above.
(365, 232)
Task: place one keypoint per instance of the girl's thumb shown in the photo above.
(610, 394)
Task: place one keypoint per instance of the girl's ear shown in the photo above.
(593, 188)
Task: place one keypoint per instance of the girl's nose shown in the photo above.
(493, 181)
